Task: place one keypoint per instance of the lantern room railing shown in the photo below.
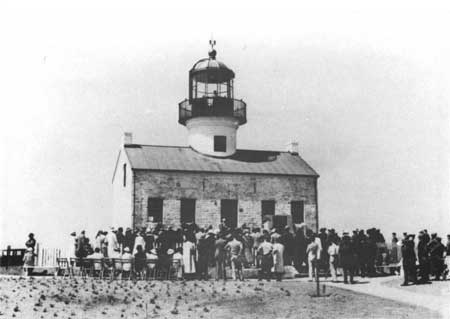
(212, 106)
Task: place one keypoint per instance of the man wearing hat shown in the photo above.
(81, 243)
(113, 244)
(347, 256)
(72, 245)
(219, 256)
(424, 259)
(409, 261)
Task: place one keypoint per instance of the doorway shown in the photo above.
(229, 211)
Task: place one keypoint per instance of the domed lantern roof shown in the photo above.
(210, 70)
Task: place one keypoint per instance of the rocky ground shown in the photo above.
(48, 297)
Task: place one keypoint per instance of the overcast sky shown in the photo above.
(365, 91)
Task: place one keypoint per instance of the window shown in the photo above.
(187, 210)
(267, 210)
(155, 209)
(297, 212)
(124, 175)
(220, 143)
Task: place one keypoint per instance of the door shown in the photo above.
(229, 210)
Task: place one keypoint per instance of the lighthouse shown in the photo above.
(211, 114)
(210, 181)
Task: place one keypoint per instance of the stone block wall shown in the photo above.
(209, 188)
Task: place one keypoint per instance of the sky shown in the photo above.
(364, 90)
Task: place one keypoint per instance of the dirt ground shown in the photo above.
(22, 297)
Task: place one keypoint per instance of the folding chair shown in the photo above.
(86, 267)
(126, 266)
(151, 268)
(108, 268)
(96, 267)
(175, 270)
(162, 269)
(63, 267)
(117, 267)
(140, 273)
(74, 264)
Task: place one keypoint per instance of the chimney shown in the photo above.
(127, 138)
(292, 147)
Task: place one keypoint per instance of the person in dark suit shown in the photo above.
(347, 257)
(219, 256)
(424, 259)
(437, 258)
(409, 261)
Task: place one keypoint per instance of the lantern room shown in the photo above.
(211, 113)
(211, 92)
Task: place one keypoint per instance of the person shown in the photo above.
(126, 262)
(202, 262)
(219, 256)
(323, 248)
(100, 242)
(394, 248)
(363, 253)
(278, 259)
(129, 239)
(120, 238)
(347, 257)
(409, 261)
(424, 259)
(152, 256)
(287, 239)
(274, 234)
(447, 258)
(188, 256)
(97, 264)
(333, 252)
(265, 251)
(223, 227)
(235, 249)
(437, 258)
(247, 242)
(312, 251)
(113, 245)
(140, 262)
(81, 242)
(139, 241)
(72, 245)
(178, 263)
(31, 242)
(210, 240)
(256, 234)
(28, 261)
(149, 240)
(300, 245)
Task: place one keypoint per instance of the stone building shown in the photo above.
(210, 179)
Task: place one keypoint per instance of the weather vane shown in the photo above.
(212, 43)
(212, 53)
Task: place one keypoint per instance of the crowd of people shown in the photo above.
(197, 250)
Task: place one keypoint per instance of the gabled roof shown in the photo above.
(177, 158)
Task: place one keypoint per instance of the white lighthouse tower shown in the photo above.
(211, 114)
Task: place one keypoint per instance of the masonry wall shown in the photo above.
(209, 188)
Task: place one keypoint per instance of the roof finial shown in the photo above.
(212, 53)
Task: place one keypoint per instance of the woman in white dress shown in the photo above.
(188, 256)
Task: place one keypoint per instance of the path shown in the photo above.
(437, 300)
